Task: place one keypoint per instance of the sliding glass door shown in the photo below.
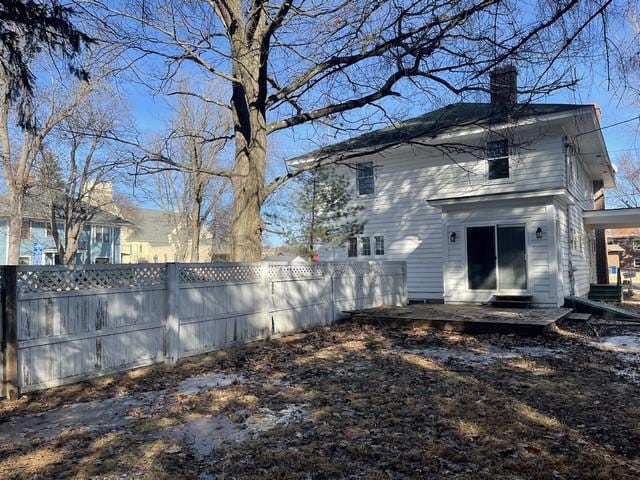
(496, 258)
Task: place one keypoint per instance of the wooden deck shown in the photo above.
(466, 318)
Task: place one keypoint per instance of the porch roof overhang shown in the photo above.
(614, 218)
(444, 203)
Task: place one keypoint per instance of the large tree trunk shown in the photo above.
(248, 103)
(16, 199)
(246, 219)
(195, 241)
(71, 244)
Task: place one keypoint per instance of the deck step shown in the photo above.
(511, 301)
(606, 293)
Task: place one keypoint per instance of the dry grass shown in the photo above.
(375, 407)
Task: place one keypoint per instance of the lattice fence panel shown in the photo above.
(356, 268)
(61, 279)
(297, 272)
(220, 273)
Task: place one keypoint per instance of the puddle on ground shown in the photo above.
(104, 415)
(482, 355)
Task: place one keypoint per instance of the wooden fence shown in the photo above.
(65, 324)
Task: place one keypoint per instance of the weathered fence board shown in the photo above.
(74, 323)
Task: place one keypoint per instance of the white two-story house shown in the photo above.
(482, 199)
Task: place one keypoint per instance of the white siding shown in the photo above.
(406, 178)
(539, 260)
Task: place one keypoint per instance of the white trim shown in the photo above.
(501, 197)
(553, 247)
(615, 218)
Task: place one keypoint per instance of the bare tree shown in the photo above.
(299, 61)
(627, 191)
(20, 146)
(191, 197)
(79, 162)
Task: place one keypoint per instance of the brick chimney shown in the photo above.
(503, 85)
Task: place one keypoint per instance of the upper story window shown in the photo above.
(498, 159)
(365, 178)
(636, 244)
(102, 234)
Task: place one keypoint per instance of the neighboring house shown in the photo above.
(614, 257)
(628, 241)
(151, 238)
(484, 198)
(98, 243)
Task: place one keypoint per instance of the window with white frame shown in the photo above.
(497, 159)
(352, 247)
(636, 244)
(365, 246)
(379, 244)
(365, 178)
(636, 262)
(102, 234)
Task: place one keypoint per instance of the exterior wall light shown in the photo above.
(539, 232)
(452, 237)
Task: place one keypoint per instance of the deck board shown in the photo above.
(466, 318)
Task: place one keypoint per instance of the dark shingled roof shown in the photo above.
(36, 207)
(449, 118)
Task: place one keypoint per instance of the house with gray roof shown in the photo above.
(483, 200)
(99, 241)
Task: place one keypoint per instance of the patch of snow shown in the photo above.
(204, 435)
(105, 415)
(196, 384)
(266, 419)
(619, 344)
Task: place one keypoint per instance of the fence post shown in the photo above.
(267, 300)
(10, 389)
(405, 285)
(172, 327)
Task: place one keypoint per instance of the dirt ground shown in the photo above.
(349, 401)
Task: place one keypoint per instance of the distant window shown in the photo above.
(636, 262)
(24, 261)
(379, 245)
(365, 246)
(498, 159)
(636, 244)
(25, 232)
(364, 178)
(352, 248)
(102, 234)
(102, 260)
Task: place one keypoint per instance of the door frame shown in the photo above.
(498, 290)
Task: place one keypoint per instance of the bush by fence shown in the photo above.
(65, 324)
